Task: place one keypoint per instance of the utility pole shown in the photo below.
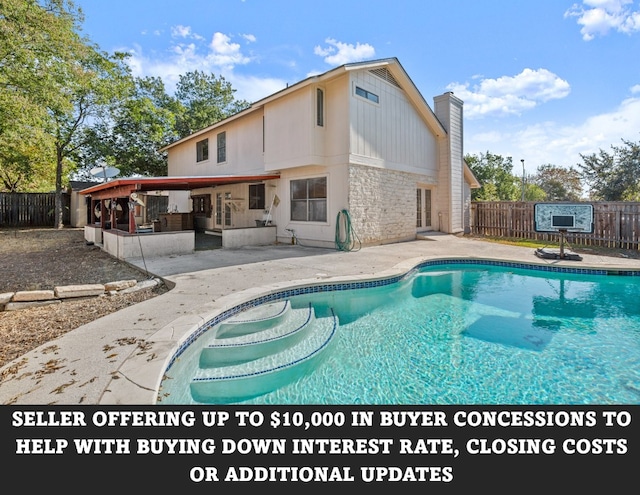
(522, 180)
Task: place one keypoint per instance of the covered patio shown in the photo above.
(119, 225)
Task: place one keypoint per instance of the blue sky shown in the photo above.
(541, 80)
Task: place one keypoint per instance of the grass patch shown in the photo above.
(513, 241)
(535, 243)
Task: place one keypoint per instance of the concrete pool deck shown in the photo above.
(120, 358)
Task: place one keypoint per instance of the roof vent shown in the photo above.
(384, 74)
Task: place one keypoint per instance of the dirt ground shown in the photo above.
(34, 259)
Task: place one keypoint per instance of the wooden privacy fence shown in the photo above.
(32, 209)
(615, 224)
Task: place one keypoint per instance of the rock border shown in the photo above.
(13, 301)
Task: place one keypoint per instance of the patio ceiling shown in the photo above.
(120, 188)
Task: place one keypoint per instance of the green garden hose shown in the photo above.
(348, 241)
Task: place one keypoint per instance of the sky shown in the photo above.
(542, 81)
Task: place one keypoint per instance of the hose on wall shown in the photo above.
(346, 237)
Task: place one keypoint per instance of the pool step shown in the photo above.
(253, 320)
(288, 327)
(262, 375)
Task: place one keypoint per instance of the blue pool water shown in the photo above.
(462, 334)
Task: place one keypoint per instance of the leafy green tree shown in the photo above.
(93, 82)
(57, 80)
(25, 149)
(533, 192)
(136, 130)
(613, 176)
(33, 38)
(494, 173)
(205, 99)
(559, 183)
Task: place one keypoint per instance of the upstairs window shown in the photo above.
(368, 95)
(202, 150)
(222, 147)
(319, 107)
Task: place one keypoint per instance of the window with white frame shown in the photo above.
(202, 150)
(222, 147)
(309, 200)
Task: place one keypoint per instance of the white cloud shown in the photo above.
(220, 57)
(601, 131)
(338, 53)
(181, 31)
(549, 142)
(249, 37)
(224, 53)
(635, 89)
(510, 95)
(598, 17)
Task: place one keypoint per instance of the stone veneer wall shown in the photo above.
(382, 204)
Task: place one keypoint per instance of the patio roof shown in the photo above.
(119, 188)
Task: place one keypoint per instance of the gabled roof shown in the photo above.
(391, 64)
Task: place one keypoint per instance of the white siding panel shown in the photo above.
(391, 132)
(336, 130)
(288, 129)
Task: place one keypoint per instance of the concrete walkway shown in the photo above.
(120, 358)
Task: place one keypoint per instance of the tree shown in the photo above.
(559, 183)
(205, 100)
(92, 82)
(494, 173)
(55, 81)
(32, 39)
(135, 131)
(533, 192)
(613, 176)
(25, 149)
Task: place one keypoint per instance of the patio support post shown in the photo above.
(132, 217)
(114, 212)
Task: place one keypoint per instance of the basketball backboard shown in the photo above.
(563, 217)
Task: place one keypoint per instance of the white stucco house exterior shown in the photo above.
(359, 139)
(356, 148)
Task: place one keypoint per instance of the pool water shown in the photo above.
(466, 334)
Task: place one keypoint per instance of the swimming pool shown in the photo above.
(448, 332)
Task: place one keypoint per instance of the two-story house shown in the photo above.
(359, 139)
(353, 151)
